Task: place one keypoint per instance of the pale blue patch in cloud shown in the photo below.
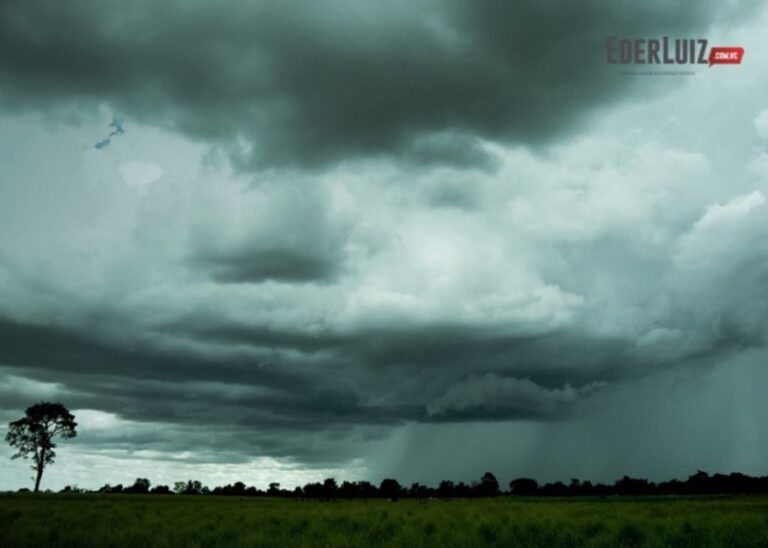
(119, 130)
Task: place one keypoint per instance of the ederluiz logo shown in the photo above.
(666, 51)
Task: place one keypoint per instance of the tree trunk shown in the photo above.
(39, 477)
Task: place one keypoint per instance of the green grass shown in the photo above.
(125, 520)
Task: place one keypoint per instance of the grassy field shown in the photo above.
(125, 520)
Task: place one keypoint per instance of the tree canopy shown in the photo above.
(32, 435)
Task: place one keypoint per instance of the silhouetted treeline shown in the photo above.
(700, 483)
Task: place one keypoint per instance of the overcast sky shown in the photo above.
(285, 241)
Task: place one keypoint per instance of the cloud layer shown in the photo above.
(327, 228)
(300, 84)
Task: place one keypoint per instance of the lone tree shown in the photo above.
(33, 434)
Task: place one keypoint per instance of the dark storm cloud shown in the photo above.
(177, 384)
(69, 349)
(271, 392)
(260, 390)
(457, 372)
(252, 375)
(314, 83)
(287, 234)
(286, 265)
(438, 350)
(458, 194)
(480, 397)
(453, 149)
